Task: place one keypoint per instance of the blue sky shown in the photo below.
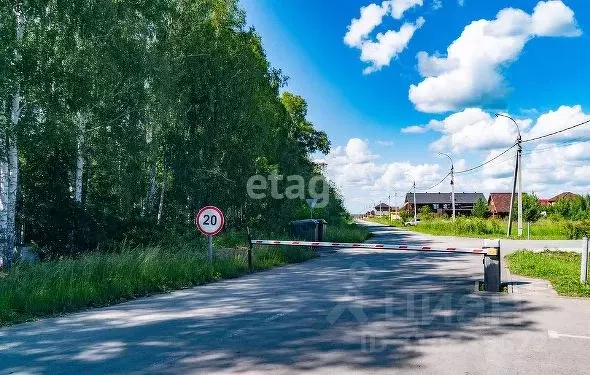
(529, 61)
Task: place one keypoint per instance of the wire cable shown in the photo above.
(557, 132)
(487, 162)
(433, 186)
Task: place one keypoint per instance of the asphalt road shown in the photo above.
(355, 312)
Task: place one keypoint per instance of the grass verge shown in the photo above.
(57, 287)
(100, 279)
(562, 269)
(482, 228)
(347, 233)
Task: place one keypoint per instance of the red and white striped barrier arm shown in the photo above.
(488, 251)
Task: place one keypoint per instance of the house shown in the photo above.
(440, 203)
(499, 204)
(565, 195)
(544, 202)
(382, 209)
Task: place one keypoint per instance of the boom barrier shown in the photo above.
(490, 250)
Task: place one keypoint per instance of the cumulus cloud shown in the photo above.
(437, 4)
(470, 72)
(559, 119)
(474, 129)
(380, 51)
(388, 45)
(355, 170)
(365, 181)
(415, 129)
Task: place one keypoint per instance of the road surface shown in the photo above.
(353, 312)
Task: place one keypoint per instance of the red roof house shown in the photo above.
(499, 204)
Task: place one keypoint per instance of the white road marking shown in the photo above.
(556, 335)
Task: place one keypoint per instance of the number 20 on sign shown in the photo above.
(209, 221)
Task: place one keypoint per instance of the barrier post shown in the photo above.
(584, 265)
(491, 266)
(250, 245)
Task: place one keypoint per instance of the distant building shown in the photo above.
(565, 195)
(441, 203)
(382, 209)
(499, 204)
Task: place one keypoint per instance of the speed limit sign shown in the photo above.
(209, 220)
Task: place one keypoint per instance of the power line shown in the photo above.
(557, 132)
(487, 162)
(433, 186)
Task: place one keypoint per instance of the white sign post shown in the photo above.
(311, 203)
(209, 221)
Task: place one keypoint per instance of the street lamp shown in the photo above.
(452, 182)
(517, 175)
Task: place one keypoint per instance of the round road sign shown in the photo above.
(209, 220)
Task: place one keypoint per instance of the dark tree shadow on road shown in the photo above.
(359, 310)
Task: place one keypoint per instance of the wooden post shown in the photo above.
(250, 245)
(584, 265)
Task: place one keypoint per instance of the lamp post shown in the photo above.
(452, 182)
(517, 176)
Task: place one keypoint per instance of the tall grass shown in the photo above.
(476, 227)
(385, 221)
(100, 279)
(347, 233)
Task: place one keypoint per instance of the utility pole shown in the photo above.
(415, 210)
(389, 206)
(452, 182)
(517, 176)
(414, 187)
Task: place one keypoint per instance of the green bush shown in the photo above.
(577, 229)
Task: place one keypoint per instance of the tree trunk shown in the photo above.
(4, 253)
(81, 119)
(161, 206)
(12, 170)
(152, 190)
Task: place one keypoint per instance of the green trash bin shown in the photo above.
(309, 229)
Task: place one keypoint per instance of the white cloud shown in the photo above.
(461, 2)
(437, 4)
(388, 45)
(470, 73)
(415, 129)
(474, 129)
(385, 143)
(399, 7)
(549, 169)
(379, 53)
(559, 119)
(360, 28)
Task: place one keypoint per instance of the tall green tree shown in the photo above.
(480, 209)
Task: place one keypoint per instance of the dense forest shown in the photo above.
(120, 118)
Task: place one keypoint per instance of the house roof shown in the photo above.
(566, 194)
(443, 198)
(381, 207)
(499, 202)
